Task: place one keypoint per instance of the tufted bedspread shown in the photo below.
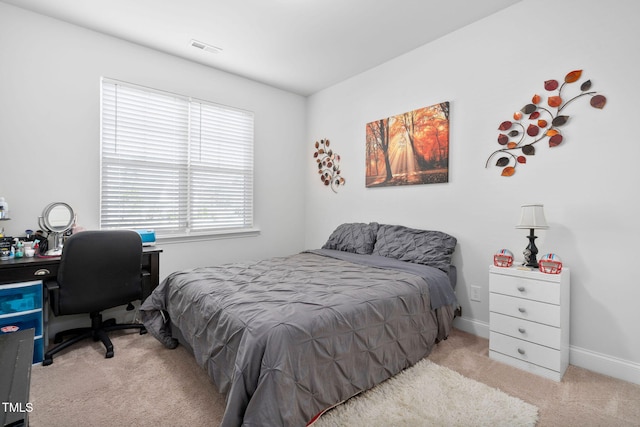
(286, 338)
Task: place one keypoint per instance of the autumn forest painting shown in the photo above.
(410, 148)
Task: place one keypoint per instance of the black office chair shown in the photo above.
(98, 270)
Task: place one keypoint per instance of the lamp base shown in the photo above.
(531, 251)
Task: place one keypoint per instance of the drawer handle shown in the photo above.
(522, 330)
(521, 288)
(522, 310)
(521, 351)
(42, 272)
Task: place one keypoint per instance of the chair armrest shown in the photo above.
(53, 292)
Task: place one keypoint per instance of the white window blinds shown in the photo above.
(177, 165)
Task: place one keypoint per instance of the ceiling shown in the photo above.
(301, 46)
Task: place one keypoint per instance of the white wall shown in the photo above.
(50, 136)
(487, 71)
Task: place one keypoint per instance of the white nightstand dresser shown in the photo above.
(529, 320)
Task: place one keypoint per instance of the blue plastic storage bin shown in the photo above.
(20, 298)
(20, 309)
(23, 321)
(38, 350)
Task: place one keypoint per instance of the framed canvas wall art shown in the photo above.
(409, 148)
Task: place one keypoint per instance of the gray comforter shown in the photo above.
(286, 338)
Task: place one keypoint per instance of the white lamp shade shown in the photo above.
(532, 216)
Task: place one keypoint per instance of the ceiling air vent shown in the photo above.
(205, 47)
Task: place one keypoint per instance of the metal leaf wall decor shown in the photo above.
(328, 167)
(536, 121)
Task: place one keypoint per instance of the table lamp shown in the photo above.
(532, 217)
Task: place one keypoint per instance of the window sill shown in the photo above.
(213, 235)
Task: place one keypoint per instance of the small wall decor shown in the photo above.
(328, 165)
(410, 148)
(535, 122)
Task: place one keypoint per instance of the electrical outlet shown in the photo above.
(475, 293)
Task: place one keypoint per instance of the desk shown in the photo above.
(36, 268)
(41, 269)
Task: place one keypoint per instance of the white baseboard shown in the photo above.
(593, 361)
(605, 364)
(472, 326)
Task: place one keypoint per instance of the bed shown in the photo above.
(286, 338)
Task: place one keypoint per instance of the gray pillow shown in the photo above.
(356, 237)
(433, 248)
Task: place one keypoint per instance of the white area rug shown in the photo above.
(431, 395)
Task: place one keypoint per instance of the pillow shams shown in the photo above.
(358, 238)
(433, 248)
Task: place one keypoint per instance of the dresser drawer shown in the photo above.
(537, 290)
(525, 351)
(521, 308)
(537, 333)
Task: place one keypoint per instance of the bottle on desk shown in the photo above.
(19, 251)
(4, 208)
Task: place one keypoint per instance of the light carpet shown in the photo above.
(147, 385)
(431, 395)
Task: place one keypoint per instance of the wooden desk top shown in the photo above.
(44, 260)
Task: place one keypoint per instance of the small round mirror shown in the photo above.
(57, 217)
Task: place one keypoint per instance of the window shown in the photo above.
(174, 164)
